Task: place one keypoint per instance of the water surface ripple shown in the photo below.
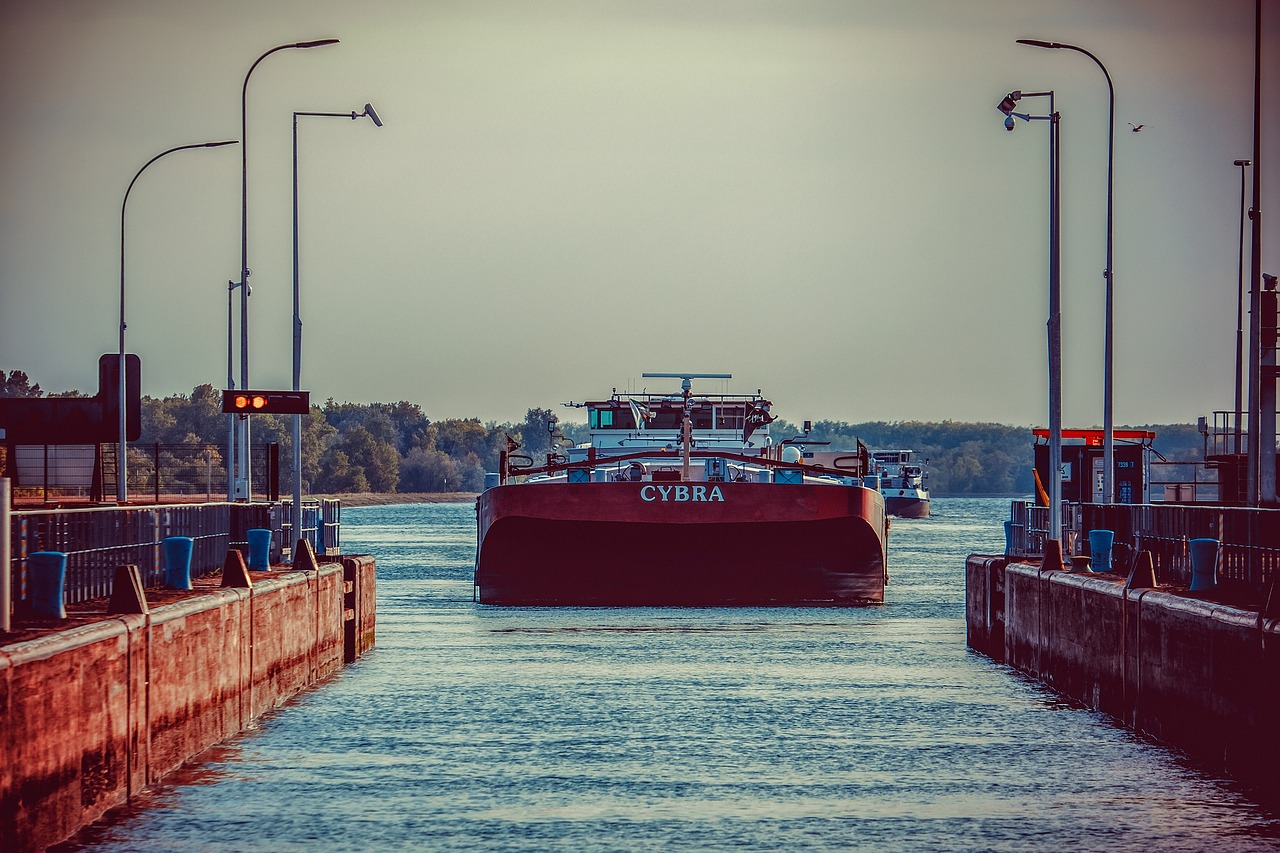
(480, 728)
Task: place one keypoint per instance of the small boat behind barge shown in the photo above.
(903, 482)
(680, 500)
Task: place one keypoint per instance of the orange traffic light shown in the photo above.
(266, 402)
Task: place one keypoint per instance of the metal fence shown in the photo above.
(97, 540)
(1249, 538)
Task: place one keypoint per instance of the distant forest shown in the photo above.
(395, 447)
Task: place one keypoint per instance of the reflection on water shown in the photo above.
(472, 727)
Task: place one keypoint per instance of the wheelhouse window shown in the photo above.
(730, 417)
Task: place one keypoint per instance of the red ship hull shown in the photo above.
(686, 544)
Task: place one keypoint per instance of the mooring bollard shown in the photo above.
(47, 574)
(1008, 538)
(177, 561)
(1204, 563)
(1100, 549)
(259, 549)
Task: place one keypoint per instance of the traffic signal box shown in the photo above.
(266, 402)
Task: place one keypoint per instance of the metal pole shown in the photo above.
(244, 472)
(1240, 316)
(1055, 330)
(297, 365)
(6, 565)
(296, 513)
(1255, 473)
(122, 452)
(1266, 343)
(231, 386)
(1108, 425)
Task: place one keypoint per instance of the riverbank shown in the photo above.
(391, 498)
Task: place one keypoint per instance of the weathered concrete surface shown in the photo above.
(1200, 676)
(93, 715)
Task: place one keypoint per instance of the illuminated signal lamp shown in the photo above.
(266, 402)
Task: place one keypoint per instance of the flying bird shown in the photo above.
(1137, 128)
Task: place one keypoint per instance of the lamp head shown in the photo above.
(1008, 122)
(316, 43)
(1009, 101)
(1243, 163)
(1052, 45)
(373, 115)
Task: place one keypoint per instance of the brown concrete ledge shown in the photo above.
(95, 712)
(1198, 674)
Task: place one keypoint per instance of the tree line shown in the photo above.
(396, 447)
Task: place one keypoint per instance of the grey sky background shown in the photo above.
(818, 197)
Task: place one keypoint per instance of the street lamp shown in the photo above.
(1108, 426)
(240, 487)
(122, 462)
(372, 115)
(1243, 164)
(1006, 106)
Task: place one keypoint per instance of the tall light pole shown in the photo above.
(297, 321)
(1261, 472)
(122, 451)
(241, 482)
(1243, 164)
(1108, 422)
(1054, 326)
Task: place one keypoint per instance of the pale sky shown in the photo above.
(817, 196)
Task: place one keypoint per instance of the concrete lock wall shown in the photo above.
(1200, 676)
(94, 714)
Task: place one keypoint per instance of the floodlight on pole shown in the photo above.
(296, 513)
(1054, 325)
(1108, 425)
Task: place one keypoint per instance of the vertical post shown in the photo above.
(155, 457)
(231, 418)
(1256, 494)
(297, 363)
(5, 561)
(1240, 319)
(1055, 329)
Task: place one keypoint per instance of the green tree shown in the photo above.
(18, 384)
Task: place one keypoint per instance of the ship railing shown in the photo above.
(557, 463)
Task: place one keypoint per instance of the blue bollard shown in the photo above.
(177, 561)
(1204, 563)
(46, 576)
(259, 549)
(1008, 537)
(1100, 549)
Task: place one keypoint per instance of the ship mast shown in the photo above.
(686, 391)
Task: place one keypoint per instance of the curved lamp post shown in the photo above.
(1108, 426)
(1054, 485)
(122, 463)
(296, 513)
(239, 486)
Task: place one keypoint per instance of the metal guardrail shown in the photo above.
(99, 539)
(96, 541)
(1249, 552)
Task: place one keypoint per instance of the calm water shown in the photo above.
(480, 728)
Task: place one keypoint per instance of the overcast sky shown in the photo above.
(816, 196)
